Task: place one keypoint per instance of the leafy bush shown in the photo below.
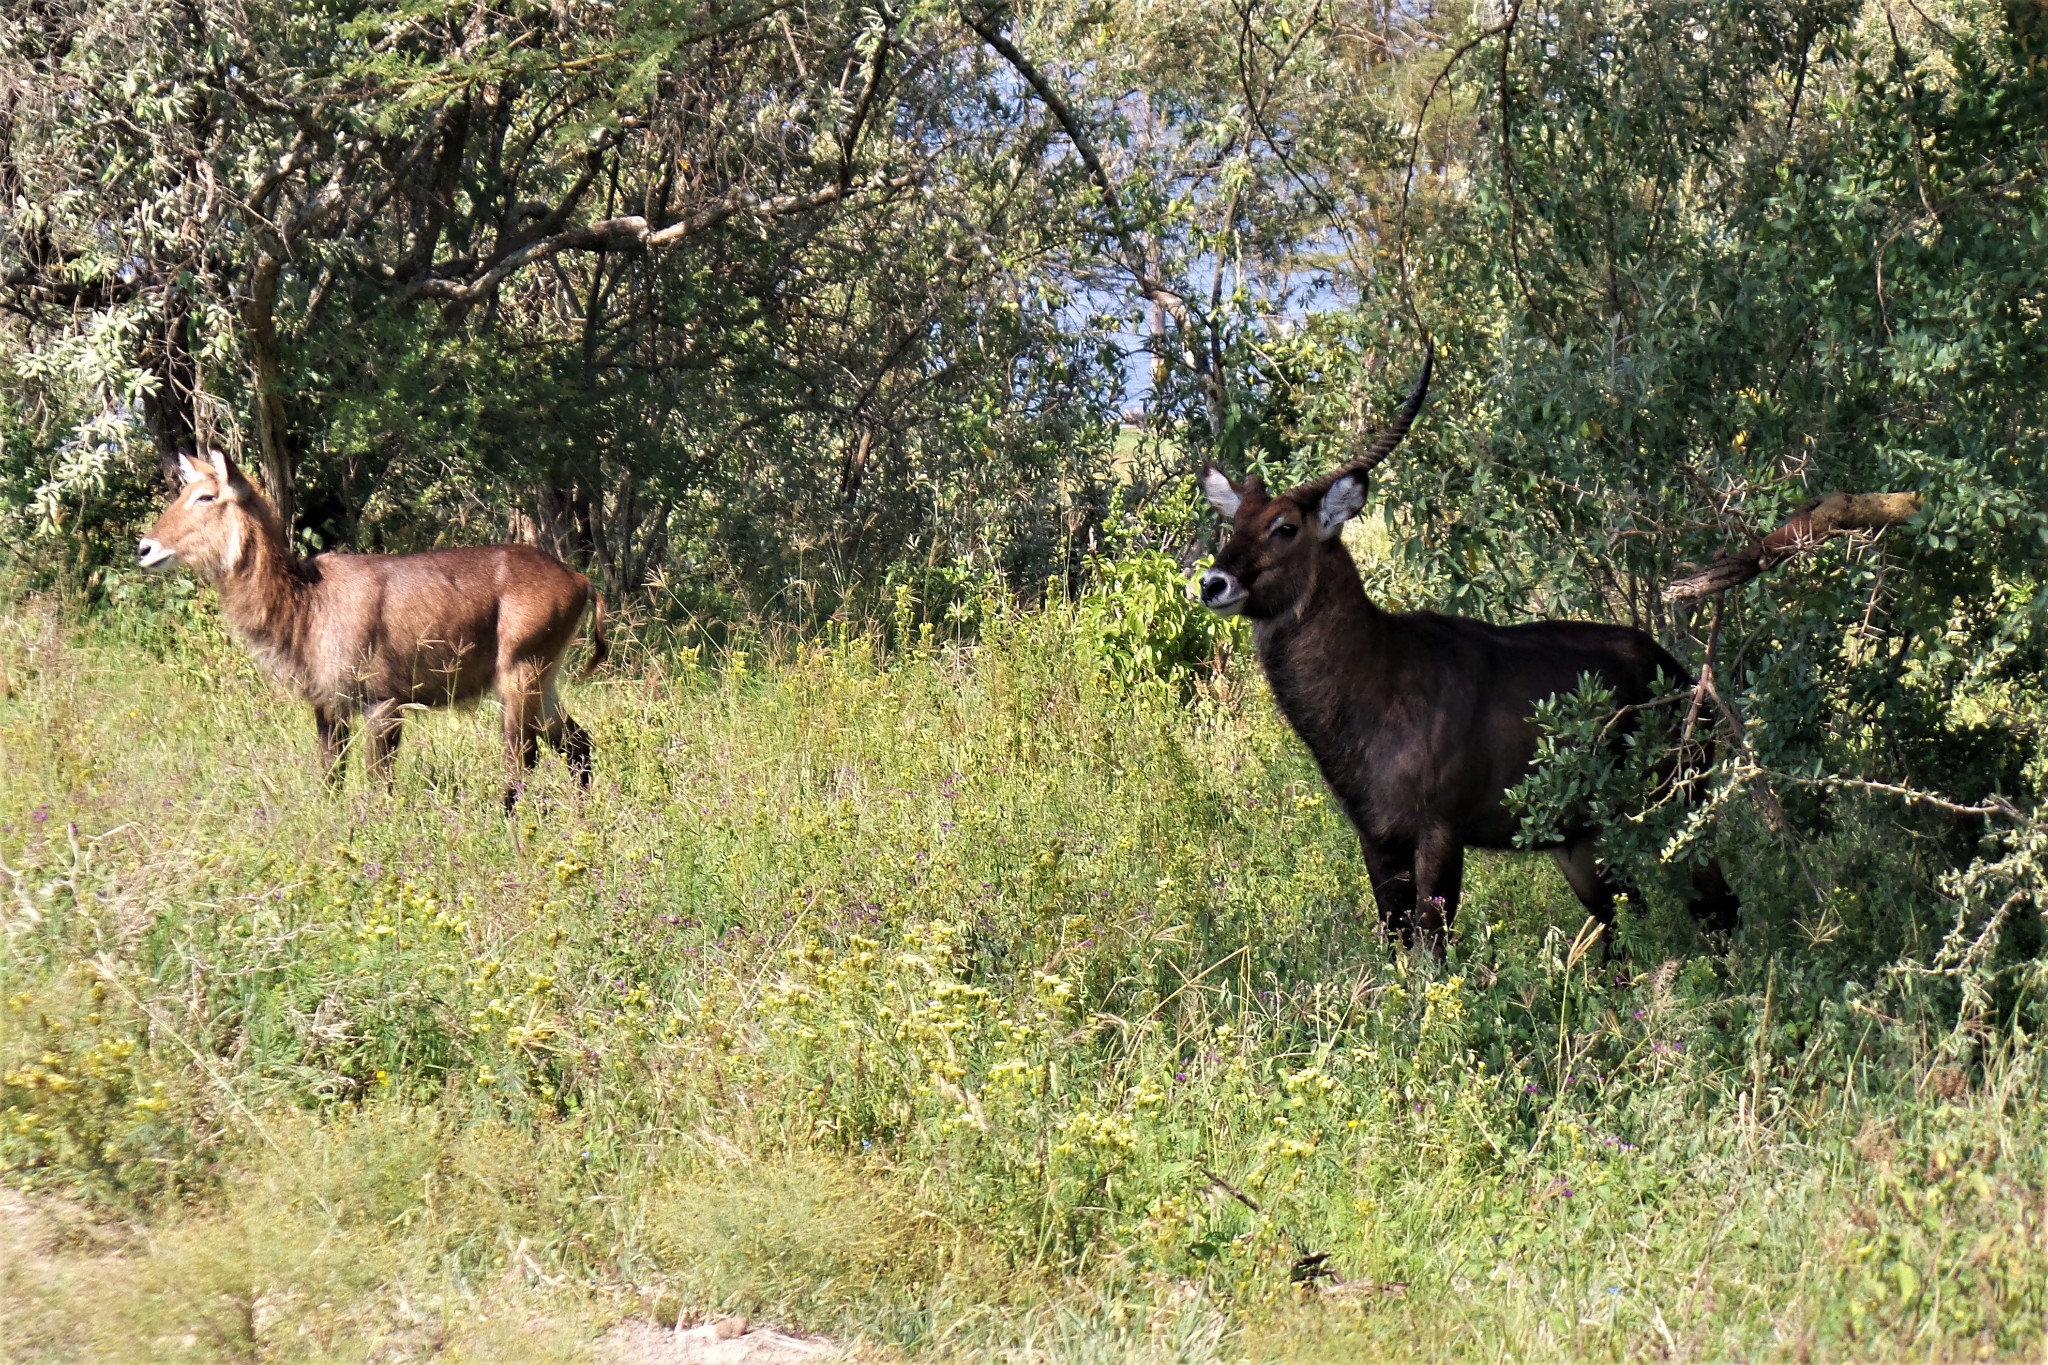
(1141, 627)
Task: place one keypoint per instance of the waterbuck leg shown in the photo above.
(522, 737)
(1392, 870)
(1714, 904)
(386, 724)
(1439, 877)
(1580, 864)
(333, 727)
(565, 736)
(572, 742)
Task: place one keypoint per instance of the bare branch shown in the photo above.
(301, 153)
(1990, 805)
(634, 232)
(1415, 144)
(1084, 145)
(1135, 258)
(33, 286)
(849, 143)
(1813, 523)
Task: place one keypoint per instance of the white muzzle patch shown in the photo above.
(1222, 593)
(153, 555)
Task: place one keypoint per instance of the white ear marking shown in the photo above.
(1217, 488)
(1340, 504)
(188, 471)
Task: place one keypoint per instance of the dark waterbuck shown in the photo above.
(361, 637)
(1419, 722)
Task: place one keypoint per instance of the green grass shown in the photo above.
(952, 1005)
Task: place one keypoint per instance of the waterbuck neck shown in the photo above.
(263, 595)
(1319, 656)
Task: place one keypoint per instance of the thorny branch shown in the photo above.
(633, 231)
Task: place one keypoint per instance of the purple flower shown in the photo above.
(40, 814)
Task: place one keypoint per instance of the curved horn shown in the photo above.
(1313, 490)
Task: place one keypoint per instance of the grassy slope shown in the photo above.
(919, 1006)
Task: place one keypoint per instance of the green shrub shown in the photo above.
(1141, 626)
(84, 1104)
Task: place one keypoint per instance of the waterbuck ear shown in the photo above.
(232, 481)
(1223, 495)
(1340, 504)
(187, 471)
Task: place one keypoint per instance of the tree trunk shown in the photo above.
(554, 521)
(272, 433)
(590, 513)
(856, 467)
(170, 410)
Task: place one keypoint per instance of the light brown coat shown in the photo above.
(361, 637)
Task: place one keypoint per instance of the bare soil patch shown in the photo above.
(728, 1341)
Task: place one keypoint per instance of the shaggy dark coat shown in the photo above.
(1419, 722)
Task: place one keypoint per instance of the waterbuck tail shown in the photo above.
(600, 648)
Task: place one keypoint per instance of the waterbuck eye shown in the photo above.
(1284, 530)
(198, 498)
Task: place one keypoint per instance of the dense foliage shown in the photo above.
(713, 298)
(1718, 261)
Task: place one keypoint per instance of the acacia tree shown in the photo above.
(350, 235)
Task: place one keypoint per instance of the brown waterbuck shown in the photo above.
(361, 637)
(1419, 722)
